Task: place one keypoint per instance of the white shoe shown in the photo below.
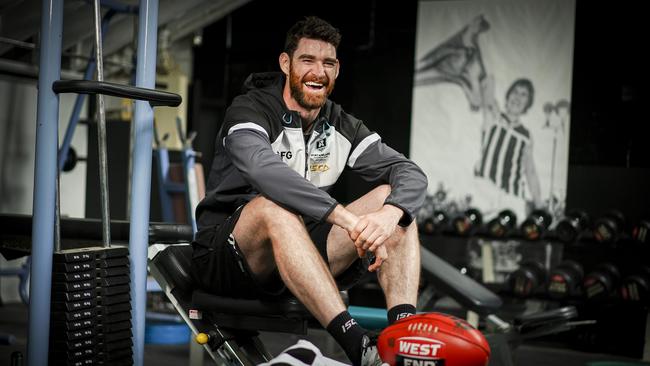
(369, 352)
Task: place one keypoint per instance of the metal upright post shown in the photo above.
(101, 131)
(45, 168)
(141, 177)
(79, 101)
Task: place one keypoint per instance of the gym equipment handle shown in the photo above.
(17, 229)
(154, 97)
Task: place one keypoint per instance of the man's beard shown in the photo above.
(305, 100)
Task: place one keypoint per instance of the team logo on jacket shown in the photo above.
(319, 168)
(317, 157)
(284, 154)
(321, 144)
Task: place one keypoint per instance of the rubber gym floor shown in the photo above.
(13, 320)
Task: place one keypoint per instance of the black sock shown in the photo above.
(401, 311)
(347, 334)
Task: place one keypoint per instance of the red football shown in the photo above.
(433, 339)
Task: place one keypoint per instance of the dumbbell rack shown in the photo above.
(91, 307)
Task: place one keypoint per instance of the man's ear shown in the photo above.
(338, 68)
(285, 62)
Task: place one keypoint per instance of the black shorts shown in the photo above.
(221, 268)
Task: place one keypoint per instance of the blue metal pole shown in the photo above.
(141, 177)
(45, 170)
(161, 157)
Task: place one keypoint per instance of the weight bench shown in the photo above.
(233, 324)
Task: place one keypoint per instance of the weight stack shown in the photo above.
(90, 321)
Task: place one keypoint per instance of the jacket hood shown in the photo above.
(263, 80)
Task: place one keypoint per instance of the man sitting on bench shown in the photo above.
(268, 221)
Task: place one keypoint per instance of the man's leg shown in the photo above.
(269, 236)
(399, 276)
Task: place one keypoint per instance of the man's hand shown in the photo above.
(374, 228)
(380, 256)
(379, 226)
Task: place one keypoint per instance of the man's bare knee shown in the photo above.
(259, 217)
(273, 215)
(371, 201)
(266, 209)
(377, 197)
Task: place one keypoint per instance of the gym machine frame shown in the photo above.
(46, 166)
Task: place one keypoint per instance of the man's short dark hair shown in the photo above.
(526, 83)
(312, 28)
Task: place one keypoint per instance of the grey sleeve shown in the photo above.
(375, 161)
(251, 153)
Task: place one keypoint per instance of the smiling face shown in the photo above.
(311, 73)
(519, 97)
(518, 100)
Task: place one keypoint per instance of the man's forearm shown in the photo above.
(395, 211)
(342, 217)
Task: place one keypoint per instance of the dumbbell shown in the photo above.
(570, 227)
(636, 287)
(527, 278)
(564, 280)
(468, 222)
(641, 231)
(434, 224)
(536, 224)
(503, 224)
(608, 228)
(601, 282)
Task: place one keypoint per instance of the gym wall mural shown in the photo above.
(491, 104)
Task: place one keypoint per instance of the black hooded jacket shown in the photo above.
(260, 149)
